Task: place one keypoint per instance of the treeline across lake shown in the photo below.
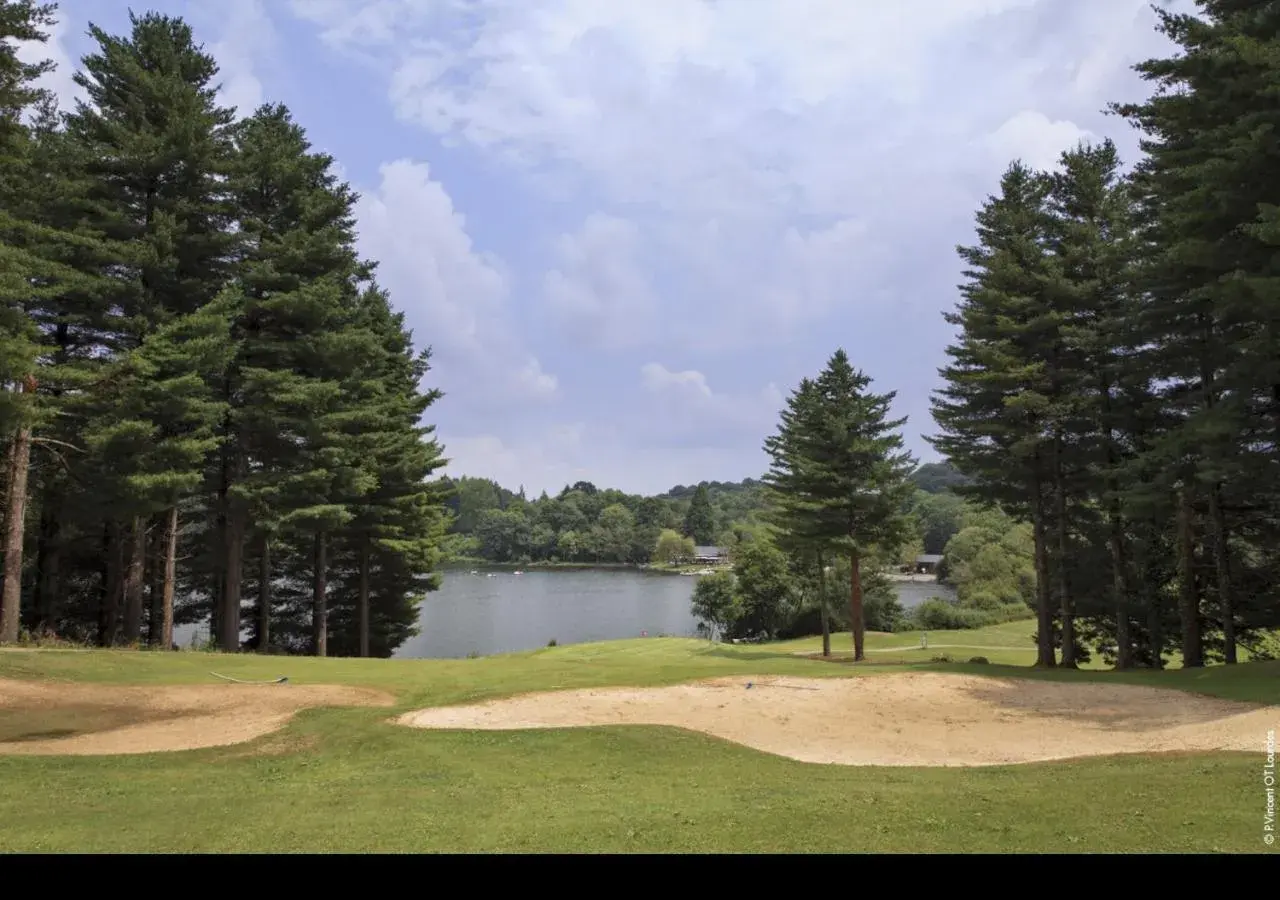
(210, 407)
(586, 524)
(1115, 381)
(590, 525)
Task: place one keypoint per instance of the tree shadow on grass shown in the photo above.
(1103, 703)
(761, 653)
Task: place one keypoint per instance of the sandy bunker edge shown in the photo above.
(172, 718)
(907, 719)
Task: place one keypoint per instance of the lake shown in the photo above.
(501, 612)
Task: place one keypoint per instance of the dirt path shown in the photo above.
(912, 719)
(42, 718)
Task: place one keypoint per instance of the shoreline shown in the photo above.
(484, 564)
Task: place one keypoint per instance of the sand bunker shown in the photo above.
(39, 718)
(912, 719)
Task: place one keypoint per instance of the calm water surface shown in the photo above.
(502, 612)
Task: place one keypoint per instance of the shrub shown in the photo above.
(715, 604)
(936, 614)
(979, 660)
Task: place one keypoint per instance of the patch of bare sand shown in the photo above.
(912, 719)
(108, 719)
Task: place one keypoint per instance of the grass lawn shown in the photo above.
(345, 780)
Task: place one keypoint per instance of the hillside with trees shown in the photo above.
(587, 525)
(210, 407)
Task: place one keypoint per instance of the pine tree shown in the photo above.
(155, 432)
(297, 224)
(859, 474)
(38, 272)
(394, 535)
(791, 488)
(993, 410)
(1212, 321)
(20, 20)
(1091, 237)
(20, 271)
(156, 150)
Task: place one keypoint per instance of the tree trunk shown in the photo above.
(1155, 631)
(1188, 593)
(15, 525)
(1044, 612)
(1150, 600)
(233, 579)
(364, 598)
(1275, 406)
(133, 581)
(112, 584)
(1060, 572)
(1222, 567)
(155, 585)
(49, 562)
(264, 594)
(320, 613)
(855, 607)
(822, 608)
(1124, 641)
(170, 572)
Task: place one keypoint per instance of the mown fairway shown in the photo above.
(347, 780)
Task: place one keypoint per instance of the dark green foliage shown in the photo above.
(19, 265)
(881, 609)
(938, 478)
(937, 518)
(715, 603)
(584, 524)
(764, 590)
(759, 599)
(1116, 382)
(838, 484)
(699, 522)
(223, 399)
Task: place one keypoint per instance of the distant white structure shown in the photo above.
(927, 563)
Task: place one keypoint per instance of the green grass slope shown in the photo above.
(347, 780)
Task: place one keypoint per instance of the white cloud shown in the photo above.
(773, 166)
(60, 80)
(689, 384)
(598, 290)
(561, 455)
(1031, 137)
(248, 36)
(453, 296)
(780, 178)
(718, 106)
(685, 409)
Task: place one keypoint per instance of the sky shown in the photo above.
(628, 228)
